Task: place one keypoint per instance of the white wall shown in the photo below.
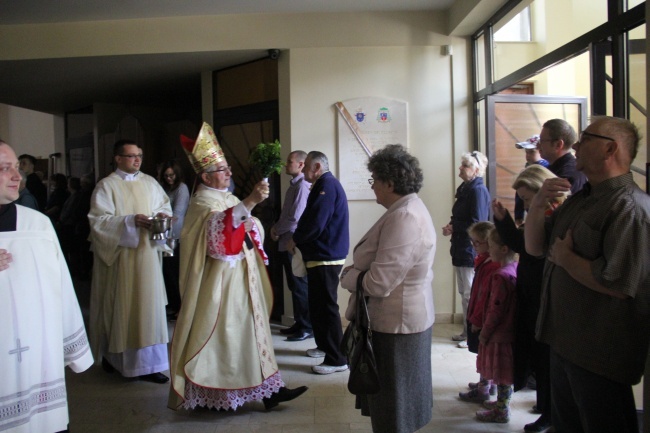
(420, 75)
(32, 132)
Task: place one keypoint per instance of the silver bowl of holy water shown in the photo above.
(161, 227)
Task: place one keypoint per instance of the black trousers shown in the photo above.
(299, 294)
(541, 357)
(171, 275)
(586, 402)
(324, 312)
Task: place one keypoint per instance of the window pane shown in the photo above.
(638, 100)
(479, 52)
(481, 112)
(633, 3)
(570, 78)
(515, 30)
(554, 23)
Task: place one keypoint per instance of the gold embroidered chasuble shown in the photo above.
(222, 351)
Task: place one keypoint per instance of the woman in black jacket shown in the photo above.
(472, 205)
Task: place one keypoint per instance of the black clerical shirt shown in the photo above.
(8, 217)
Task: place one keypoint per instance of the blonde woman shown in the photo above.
(530, 356)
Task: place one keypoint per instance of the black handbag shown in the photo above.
(357, 345)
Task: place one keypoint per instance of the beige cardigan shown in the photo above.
(397, 253)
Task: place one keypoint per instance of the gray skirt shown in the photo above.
(405, 401)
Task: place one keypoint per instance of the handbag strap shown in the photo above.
(363, 319)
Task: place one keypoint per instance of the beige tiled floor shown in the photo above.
(101, 403)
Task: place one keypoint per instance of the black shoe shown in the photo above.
(284, 394)
(290, 330)
(155, 378)
(108, 368)
(542, 423)
(300, 335)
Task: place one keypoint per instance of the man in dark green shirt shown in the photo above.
(595, 304)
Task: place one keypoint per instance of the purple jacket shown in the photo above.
(295, 201)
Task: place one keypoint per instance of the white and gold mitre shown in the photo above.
(204, 151)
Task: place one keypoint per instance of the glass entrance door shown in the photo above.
(514, 118)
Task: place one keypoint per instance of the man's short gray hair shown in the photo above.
(300, 155)
(623, 130)
(320, 158)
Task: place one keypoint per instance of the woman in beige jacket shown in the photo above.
(397, 257)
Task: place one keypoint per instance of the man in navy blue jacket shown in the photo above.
(323, 237)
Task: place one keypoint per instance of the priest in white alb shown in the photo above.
(42, 327)
(128, 323)
(222, 352)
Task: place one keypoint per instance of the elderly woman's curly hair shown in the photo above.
(394, 164)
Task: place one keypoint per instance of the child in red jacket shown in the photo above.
(495, 359)
(483, 268)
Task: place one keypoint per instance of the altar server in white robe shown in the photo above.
(41, 323)
(128, 323)
(222, 351)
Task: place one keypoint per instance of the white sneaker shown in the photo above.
(462, 344)
(328, 369)
(315, 353)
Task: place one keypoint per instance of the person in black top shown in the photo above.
(554, 145)
(34, 182)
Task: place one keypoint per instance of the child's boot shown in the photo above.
(501, 411)
(493, 386)
(479, 394)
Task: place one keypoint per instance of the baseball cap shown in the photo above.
(530, 143)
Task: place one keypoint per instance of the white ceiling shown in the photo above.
(39, 11)
(68, 84)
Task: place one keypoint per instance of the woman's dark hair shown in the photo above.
(394, 164)
(60, 181)
(177, 171)
(74, 183)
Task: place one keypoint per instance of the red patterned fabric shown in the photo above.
(225, 242)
